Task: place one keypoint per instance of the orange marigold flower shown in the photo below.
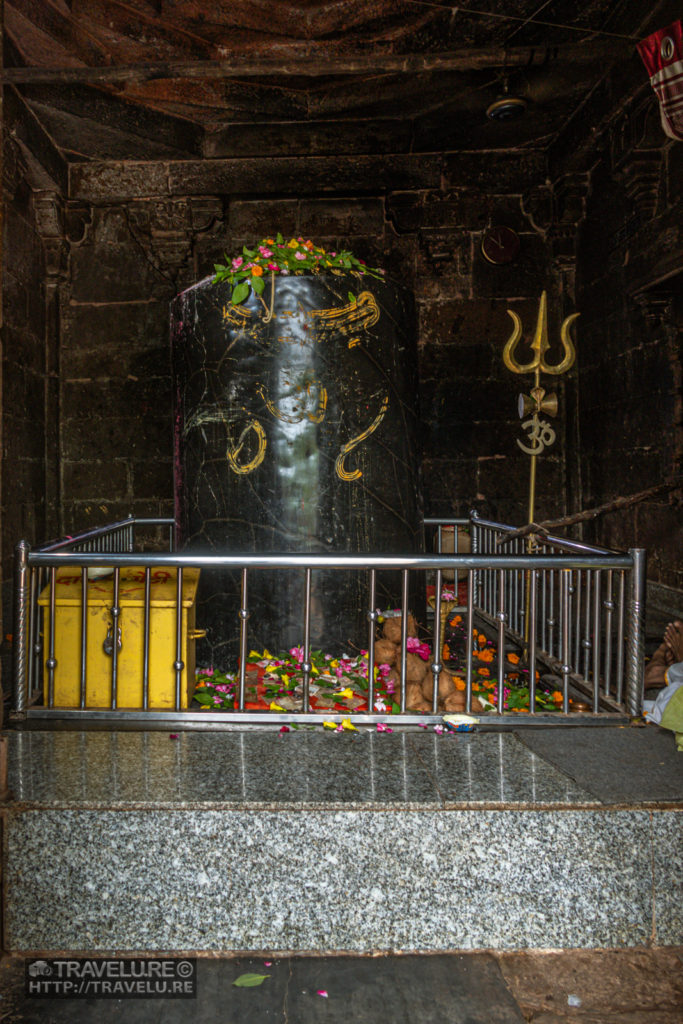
(557, 696)
(514, 658)
(459, 682)
(257, 271)
(486, 655)
(483, 672)
(457, 620)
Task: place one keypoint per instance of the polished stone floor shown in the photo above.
(312, 841)
(570, 767)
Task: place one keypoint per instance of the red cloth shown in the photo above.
(662, 55)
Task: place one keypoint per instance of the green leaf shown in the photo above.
(250, 980)
(258, 284)
(203, 698)
(395, 708)
(279, 239)
(240, 292)
(249, 252)
(352, 297)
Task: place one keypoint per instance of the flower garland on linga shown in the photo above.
(247, 273)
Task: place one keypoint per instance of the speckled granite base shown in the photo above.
(129, 842)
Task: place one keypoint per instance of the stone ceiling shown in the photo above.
(110, 80)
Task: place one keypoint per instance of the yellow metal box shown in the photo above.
(162, 638)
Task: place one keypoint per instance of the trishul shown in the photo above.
(540, 344)
(541, 433)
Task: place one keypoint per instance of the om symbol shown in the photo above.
(539, 433)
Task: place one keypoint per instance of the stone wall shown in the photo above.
(26, 366)
(116, 402)
(88, 388)
(630, 292)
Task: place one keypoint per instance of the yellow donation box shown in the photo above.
(131, 638)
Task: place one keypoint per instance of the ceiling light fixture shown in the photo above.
(506, 107)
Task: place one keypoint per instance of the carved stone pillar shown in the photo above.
(569, 210)
(49, 215)
(636, 155)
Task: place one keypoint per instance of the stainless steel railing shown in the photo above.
(575, 621)
(577, 609)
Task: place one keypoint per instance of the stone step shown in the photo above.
(253, 841)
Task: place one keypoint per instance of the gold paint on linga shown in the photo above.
(344, 474)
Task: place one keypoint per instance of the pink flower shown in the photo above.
(381, 727)
(285, 728)
(264, 251)
(237, 262)
(422, 650)
(300, 255)
(297, 653)
(273, 266)
(384, 668)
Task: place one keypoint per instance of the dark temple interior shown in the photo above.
(145, 140)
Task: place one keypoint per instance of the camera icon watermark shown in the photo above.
(111, 978)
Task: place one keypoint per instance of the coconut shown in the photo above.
(414, 699)
(446, 685)
(416, 668)
(385, 652)
(455, 701)
(392, 629)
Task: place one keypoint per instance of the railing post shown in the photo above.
(20, 639)
(473, 597)
(635, 653)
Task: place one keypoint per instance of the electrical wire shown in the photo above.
(456, 8)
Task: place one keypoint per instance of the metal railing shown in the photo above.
(575, 621)
(577, 609)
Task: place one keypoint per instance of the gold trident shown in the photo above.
(541, 434)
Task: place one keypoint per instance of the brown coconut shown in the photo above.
(455, 701)
(385, 652)
(394, 676)
(446, 685)
(415, 668)
(414, 699)
(392, 629)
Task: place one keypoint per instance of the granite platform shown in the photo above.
(315, 842)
